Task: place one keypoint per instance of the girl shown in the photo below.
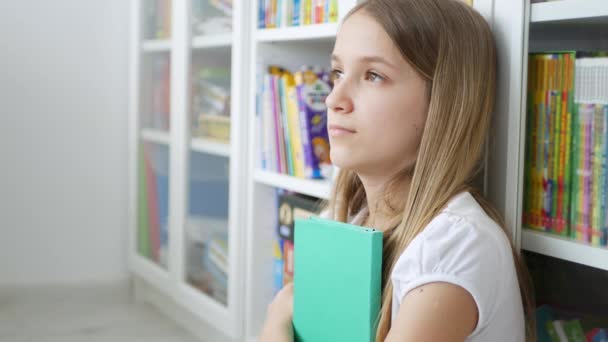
(414, 87)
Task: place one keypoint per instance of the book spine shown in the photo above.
(261, 13)
(143, 236)
(297, 13)
(153, 212)
(286, 123)
(304, 129)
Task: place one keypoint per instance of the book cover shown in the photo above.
(292, 207)
(330, 305)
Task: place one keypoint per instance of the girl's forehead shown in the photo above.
(362, 36)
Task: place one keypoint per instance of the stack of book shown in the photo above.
(567, 145)
(292, 122)
(291, 207)
(283, 13)
(153, 206)
(211, 103)
(212, 16)
(157, 19)
(553, 329)
(215, 262)
(160, 94)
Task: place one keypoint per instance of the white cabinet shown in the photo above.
(187, 155)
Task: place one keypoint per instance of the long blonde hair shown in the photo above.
(451, 46)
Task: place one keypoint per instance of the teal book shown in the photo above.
(337, 281)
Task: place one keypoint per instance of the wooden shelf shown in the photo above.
(212, 41)
(156, 45)
(307, 32)
(155, 136)
(563, 248)
(570, 11)
(210, 147)
(317, 188)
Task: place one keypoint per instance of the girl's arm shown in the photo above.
(434, 312)
(278, 326)
(276, 333)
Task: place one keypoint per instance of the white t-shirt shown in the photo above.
(463, 246)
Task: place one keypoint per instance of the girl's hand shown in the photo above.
(278, 326)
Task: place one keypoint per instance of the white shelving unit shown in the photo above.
(202, 179)
(566, 249)
(309, 32)
(316, 188)
(212, 41)
(569, 11)
(290, 47)
(210, 146)
(156, 45)
(562, 25)
(155, 136)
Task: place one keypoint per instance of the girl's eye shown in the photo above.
(373, 77)
(335, 75)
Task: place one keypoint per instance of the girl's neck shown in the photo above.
(380, 198)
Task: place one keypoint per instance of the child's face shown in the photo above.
(378, 106)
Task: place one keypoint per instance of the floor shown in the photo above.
(54, 314)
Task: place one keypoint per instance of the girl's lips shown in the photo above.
(335, 130)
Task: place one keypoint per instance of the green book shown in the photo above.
(337, 281)
(143, 237)
(574, 331)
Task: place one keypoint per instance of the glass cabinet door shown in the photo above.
(152, 238)
(206, 235)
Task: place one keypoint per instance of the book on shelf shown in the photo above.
(291, 207)
(288, 13)
(212, 16)
(157, 116)
(558, 325)
(157, 19)
(152, 207)
(292, 122)
(566, 146)
(211, 104)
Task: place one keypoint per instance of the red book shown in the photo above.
(153, 216)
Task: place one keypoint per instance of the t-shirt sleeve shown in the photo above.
(454, 251)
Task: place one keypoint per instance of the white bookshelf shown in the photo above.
(316, 188)
(156, 45)
(155, 136)
(561, 25)
(290, 47)
(189, 165)
(223, 40)
(564, 248)
(569, 11)
(308, 32)
(210, 146)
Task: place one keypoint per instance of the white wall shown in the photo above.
(63, 141)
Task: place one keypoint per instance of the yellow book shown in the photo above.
(293, 119)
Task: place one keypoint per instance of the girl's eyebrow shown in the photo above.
(368, 59)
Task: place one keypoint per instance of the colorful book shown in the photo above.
(291, 208)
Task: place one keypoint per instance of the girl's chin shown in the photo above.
(343, 161)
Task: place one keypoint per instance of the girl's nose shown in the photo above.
(339, 101)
